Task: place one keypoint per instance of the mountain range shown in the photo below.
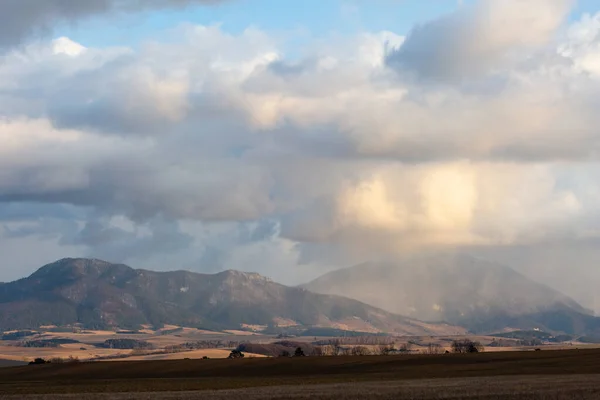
(462, 290)
(98, 294)
(434, 295)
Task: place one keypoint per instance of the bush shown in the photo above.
(299, 352)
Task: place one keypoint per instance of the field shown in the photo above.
(210, 353)
(506, 370)
(573, 374)
(88, 344)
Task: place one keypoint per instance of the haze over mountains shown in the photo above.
(99, 294)
(462, 290)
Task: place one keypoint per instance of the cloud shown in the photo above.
(405, 208)
(479, 38)
(23, 19)
(212, 150)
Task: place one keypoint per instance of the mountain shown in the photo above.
(100, 294)
(461, 290)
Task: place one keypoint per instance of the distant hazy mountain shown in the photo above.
(461, 290)
(100, 294)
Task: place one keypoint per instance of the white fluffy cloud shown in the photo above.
(480, 38)
(338, 156)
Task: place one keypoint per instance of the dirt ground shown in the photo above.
(570, 387)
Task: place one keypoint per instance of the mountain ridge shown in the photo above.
(459, 289)
(97, 293)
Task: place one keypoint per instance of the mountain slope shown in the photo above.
(100, 294)
(459, 289)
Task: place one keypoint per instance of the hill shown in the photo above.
(462, 290)
(98, 294)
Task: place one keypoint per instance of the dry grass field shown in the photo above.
(573, 374)
(65, 351)
(90, 344)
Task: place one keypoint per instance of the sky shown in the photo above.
(294, 138)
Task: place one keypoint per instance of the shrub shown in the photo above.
(299, 352)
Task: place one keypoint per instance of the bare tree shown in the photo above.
(385, 349)
(285, 353)
(317, 351)
(327, 350)
(360, 351)
(433, 348)
(405, 348)
(236, 354)
(299, 352)
(466, 346)
(337, 347)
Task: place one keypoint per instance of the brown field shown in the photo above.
(581, 387)
(569, 371)
(573, 374)
(210, 353)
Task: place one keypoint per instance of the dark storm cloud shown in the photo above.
(26, 210)
(117, 244)
(21, 19)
